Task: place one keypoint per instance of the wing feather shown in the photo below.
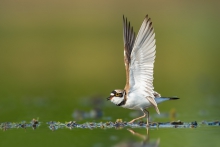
(129, 39)
(141, 60)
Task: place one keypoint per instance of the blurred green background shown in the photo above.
(55, 54)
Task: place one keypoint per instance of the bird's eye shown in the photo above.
(118, 95)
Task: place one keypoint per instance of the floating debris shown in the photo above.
(53, 125)
(8, 125)
(118, 124)
(34, 123)
(177, 122)
(193, 124)
(214, 123)
(5, 126)
(71, 124)
(22, 125)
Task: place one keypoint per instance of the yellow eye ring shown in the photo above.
(117, 94)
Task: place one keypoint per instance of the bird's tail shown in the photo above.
(173, 98)
(162, 99)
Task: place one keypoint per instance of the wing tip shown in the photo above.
(146, 16)
(148, 19)
(157, 109)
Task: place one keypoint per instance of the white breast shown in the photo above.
(136, 101)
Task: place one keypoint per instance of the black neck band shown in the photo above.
(124, 100)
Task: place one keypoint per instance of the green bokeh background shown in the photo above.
(53, 54)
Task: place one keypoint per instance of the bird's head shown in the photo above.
(116, 96)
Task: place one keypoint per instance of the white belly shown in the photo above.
(136, 102)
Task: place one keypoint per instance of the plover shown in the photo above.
(139, 56)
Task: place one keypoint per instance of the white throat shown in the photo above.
(117, 100)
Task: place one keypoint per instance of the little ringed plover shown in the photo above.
(139, 56)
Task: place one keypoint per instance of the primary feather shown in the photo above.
(139, 56)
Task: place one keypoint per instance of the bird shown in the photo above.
(139, 57)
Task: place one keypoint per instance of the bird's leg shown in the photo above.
(139, 117)
(147, 117)
(152, 123)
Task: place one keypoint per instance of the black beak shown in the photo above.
(108, 98)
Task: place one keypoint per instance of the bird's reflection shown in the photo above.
(146, 142)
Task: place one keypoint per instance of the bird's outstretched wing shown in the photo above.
(129, 38)
(139, 65)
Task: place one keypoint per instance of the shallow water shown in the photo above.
(59, 61)
(94, 122)
(203, 135)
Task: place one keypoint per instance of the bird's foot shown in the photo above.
(147, 125)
